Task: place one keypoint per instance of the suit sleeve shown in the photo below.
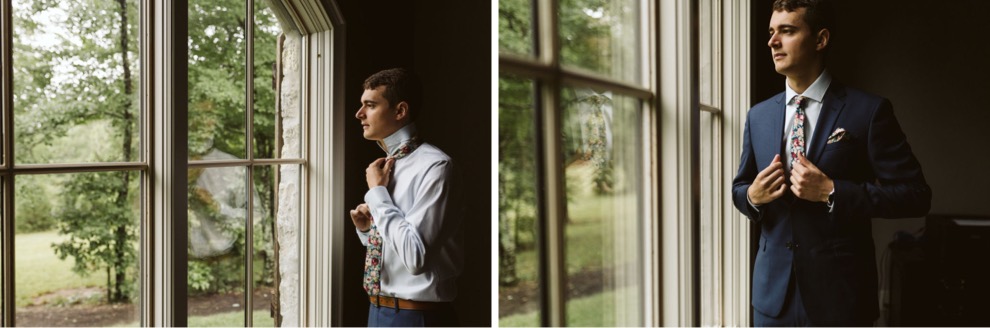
(744, 178)
(410, 234)
(900, 189)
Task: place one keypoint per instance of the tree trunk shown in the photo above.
(120, 242)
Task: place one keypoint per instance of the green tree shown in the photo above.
(94, 210)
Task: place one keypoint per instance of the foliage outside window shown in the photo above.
(601, 135)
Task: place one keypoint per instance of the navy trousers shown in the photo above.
(380, 316)
(792, 315)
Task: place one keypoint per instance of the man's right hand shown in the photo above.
(769, 183)
(361, 216)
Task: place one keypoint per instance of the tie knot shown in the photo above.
(800, 101)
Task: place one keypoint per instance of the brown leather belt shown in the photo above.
(392, 302)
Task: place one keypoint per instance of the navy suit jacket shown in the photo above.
(831, 253)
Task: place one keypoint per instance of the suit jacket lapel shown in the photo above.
(831, 108)
(777, 124)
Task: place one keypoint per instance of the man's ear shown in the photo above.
(401, 111)
(822, 41)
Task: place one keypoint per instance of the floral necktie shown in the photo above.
(373, 257)
(797, 132)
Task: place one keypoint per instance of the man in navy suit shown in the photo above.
(819, 160)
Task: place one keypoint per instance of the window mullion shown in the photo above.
(170, 109)
(249, 142)
(7, 229)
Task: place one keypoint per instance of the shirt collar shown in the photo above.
(391, 143)
(815, 92)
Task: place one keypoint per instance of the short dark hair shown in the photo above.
(819, 14)
(400, 85)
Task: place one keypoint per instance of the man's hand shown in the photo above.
(361, 216)
(808, 182)
(379, 171)
(769, 183)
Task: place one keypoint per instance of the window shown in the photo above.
(239, 150)
(124, 207)
(575, 113)
(73, 164)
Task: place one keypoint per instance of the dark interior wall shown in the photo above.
(453, 57)
(447, 44)
(932, 60)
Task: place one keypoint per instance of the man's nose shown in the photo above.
(358, 113)
(773, 42)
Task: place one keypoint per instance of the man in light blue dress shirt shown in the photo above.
(408, 211)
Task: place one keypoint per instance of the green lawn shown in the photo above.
(581, 312)
(39, 270)
(261, 318)
(589, 246)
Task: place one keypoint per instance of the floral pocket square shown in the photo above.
(836, 136)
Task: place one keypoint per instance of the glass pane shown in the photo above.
(216, 79)
(515, 27)
(518, 260)
(268, 121)
(602, 36)
(602, 146)
(77, 249)
(76, 81)
(217, 216)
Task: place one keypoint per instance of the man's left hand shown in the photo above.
(808, 182)
(379, 171)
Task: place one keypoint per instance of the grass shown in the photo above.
(261, 318)
(585, 311)
(589, 245)
(39, 270)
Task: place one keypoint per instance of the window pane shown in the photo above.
(268, 120)
(515, 27)
(217, 216)
(518, 269)
(602, 36)
(76, 254)
(603, 246)
(76, 81)
(216, 78)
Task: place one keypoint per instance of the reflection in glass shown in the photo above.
(217, 77)
(76, 81)
(603, 157)
(217, 214)
(515, 27)
(76, 259)
(518, 292)
(602, 36)
(266, 115)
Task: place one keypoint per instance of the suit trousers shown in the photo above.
(381, 316)
(791, 315)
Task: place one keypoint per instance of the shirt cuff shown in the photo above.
(754, 206)
(363, 235)
(831, 200)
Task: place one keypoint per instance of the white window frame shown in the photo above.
(685, 300)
